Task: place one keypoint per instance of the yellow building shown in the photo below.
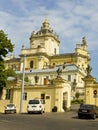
(53, 95)
(42, 63)
(43, 54)
(91, 89)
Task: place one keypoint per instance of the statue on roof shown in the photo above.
(89, 69)
(32, 32)
(60, 69)
(84, 41)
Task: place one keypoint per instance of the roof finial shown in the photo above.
(45, 24)
(84, 40)
(23, 46)
(46, 15)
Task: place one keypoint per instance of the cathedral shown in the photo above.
(42, 60)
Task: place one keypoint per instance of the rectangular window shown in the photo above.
(8, 94)
(69, 77)
(25, 96)
(36, 79)
(47, 97)
(43, 97)
(54, 50)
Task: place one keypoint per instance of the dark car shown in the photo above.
(88, 111)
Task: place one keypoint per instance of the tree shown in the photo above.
(77, 95)
(5, 47)
(10, 73)
(3, 78)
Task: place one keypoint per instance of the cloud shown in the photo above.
(70, 19)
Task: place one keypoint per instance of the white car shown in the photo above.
(10, 108)
(35, 106)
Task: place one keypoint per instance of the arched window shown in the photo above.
(31, 64)
(54, 50)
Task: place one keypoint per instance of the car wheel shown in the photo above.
(79, 117)
(28, 112)
(5, 112)
(41, 112)
(94, 116)
(14, 111)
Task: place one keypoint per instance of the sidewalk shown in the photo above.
(75, 107)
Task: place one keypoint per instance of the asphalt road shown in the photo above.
(46, 121)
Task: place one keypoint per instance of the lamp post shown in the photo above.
(22, 88)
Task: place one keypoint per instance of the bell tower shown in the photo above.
(45, 40)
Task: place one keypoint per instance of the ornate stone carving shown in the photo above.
(59, 70)
(89, 69)
(84, 41)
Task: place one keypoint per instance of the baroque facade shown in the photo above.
(43, 60)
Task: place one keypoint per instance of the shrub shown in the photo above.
(77, 101)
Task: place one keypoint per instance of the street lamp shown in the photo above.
(22, 88)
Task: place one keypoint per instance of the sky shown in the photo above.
(70, 19)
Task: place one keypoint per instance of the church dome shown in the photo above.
(45, 30)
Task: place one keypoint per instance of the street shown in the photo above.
(46, 121)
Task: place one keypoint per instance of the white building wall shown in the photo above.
(50, 45)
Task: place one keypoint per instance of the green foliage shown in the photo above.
(26, 79)
(5, 47)
(1, 65)
(77, 101)
(10, 72)
(3, 79)
(77, 95)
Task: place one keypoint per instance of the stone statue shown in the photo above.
(59, 71)
(84, 41)
(89, 69)
(32, 33)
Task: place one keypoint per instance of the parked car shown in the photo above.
(35, 106)
(88, 110)
(10, 108)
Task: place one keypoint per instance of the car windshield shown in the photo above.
(34, 102)
(10, 105)
(87, 107)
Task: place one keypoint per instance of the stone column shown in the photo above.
(89, 88)
(60, 85)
